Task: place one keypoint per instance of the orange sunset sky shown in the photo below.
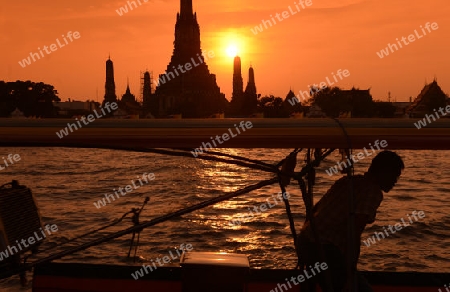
(298, 51)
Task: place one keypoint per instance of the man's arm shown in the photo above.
(361, 220)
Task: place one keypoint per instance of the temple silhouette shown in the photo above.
(193, 93)
(187, 88)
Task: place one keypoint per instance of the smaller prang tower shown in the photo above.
(250, 96)
(238, 83)
(110, 85)
(149, 99)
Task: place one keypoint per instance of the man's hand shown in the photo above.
(288, 168)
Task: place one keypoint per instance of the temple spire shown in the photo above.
(186, 8)
(250, 95)
(251, 79)
(238, 83)
(110, 85)
(128, 86)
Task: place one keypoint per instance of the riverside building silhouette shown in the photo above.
(128, 96)
(193, 93)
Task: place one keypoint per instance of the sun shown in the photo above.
(229, 44)
(232, 50)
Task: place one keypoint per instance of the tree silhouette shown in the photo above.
(384, 109)
(33, 99)
(361, 101)
(272, 107)
(333, 101)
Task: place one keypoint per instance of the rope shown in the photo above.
(236, 157)
(351, 260)
(288, 211)
(288, 167)
(307, 196)
(149, 223)
(81, 236)
(204, 156)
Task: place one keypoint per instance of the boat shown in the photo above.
(200, 271)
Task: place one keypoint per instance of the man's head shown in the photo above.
(386, 168)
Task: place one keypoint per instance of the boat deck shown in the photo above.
(65, 277)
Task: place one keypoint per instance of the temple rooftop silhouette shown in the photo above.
(191, 91)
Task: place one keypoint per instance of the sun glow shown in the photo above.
(232, 51)
(233, 44)
(227, 44)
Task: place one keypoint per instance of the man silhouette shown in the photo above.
(331, 219)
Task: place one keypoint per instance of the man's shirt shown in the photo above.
(331, 213)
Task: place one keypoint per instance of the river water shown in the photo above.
(67, 182)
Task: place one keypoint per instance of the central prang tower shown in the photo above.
(187, 30)
(193, 93)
